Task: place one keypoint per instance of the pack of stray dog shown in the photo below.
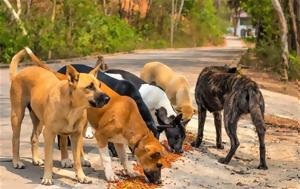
(124, 111)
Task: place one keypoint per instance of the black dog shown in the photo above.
(175, 134)
(220, 88)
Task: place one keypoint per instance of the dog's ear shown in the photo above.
(95, 71)
(73, 75)
(177, 119)
(161, 128)
(162, 116)
(185, 122)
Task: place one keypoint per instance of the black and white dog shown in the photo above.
(221, 88)
(160, 108)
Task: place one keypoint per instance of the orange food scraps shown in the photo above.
(132, 183)
(167, 160)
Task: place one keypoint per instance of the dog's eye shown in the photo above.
(90, 86)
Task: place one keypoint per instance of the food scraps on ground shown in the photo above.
(167, 160)
(277, 121)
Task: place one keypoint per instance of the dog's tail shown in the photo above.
(14, 63)
(36, 60)
(256, 107)
(42, 64)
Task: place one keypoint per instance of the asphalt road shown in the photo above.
(188, 61)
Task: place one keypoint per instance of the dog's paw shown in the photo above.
(84, 180)
(262, 167)
(66, 163)
(111, 176)
(196, 144)
(223, 161)
(85, 162)
(37, 162)
(47, 181)
(89, 133)
(220, 146)
(131, 173)
(18, 165)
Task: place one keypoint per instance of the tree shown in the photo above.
(292, 11)
(235, 5)
(16, 16)
(284, 38)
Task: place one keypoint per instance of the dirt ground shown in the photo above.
(270, 82)
(197, 168)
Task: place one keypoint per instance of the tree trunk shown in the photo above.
(284, 38)
(235, 21)
(297, 12)
(294, 25)
(19, 6)
(217, 4)
(52, 24)
(179, 12)
(28, 7)
(104, 7)
(172, 24)
(16, 16)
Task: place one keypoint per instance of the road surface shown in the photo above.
(198, 168)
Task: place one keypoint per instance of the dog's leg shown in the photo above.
(121, 150)
(201, 121)
(218, 125)
(37, 129)
(85, 162)
(77, 145)
(66, 162)
(49, 137)
(17, 115)
(230, 123)
(106, 163)
(258, 120)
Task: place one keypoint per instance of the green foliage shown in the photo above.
(294, 67)
(204, 26)
(268, 49)
(80, 28)
(10, 38)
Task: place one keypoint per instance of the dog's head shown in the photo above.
(174, 128)
(149, 154)
(187, 112)
(85, 88)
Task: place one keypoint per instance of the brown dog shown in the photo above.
(58, 106)
(121, 123)
(176, 86)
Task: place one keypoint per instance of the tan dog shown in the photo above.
(176, 86)
(121, 123)
(58, 106)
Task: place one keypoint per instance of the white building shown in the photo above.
(244, 26)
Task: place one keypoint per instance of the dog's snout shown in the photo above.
(178, 151)
(99, 100)
(106, 99)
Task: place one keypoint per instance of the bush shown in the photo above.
(294, 67)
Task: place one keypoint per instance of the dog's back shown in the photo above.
(216, 83)
(157, 73)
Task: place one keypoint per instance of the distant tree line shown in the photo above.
(68, 28)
